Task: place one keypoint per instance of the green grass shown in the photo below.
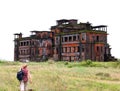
(63, 76)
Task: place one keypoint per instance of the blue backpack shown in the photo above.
(20, 75)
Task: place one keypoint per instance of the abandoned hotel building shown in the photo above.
(68, 41)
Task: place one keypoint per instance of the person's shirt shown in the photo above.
(25, 77)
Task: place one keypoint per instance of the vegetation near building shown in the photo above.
(68, 41)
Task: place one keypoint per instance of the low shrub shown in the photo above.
(70, 66)
(88, 62)
(103, 74)
(66, 63)
(117, 65)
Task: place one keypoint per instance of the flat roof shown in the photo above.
(99, 26)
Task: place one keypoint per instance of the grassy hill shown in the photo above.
(63, 76)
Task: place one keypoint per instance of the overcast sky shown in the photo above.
(26, 15)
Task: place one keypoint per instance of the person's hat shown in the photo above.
(25, 65)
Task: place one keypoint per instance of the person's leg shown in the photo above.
(25, 86)
(21, 86)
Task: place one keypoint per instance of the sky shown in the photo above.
(26, 15)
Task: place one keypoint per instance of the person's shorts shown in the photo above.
(22, 86)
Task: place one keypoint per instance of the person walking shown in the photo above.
(26, 78)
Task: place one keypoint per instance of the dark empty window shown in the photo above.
(56, 50)
(24, 43)
(27, 43)
(78, 48)
(74, 38)
(101, 49)
(21, 43)
(97, 49)
(70, 38)
(83, 49)
(62, 39)
(83, 36)
(65, 49)
(65, 39)
(78, 37)
(97, 38)
(57, 40)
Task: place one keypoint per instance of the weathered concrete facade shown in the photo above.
(68, 40)
(37, 47)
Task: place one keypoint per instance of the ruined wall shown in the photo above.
(68, 40)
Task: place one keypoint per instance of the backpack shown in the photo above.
(20, 75)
